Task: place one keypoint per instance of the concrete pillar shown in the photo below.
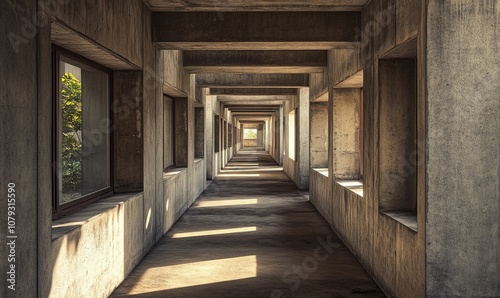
(463, 149)
(303, 137)
(19, 131)
(210, 137)
(260, 135)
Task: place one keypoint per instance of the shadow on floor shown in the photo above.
(250, 234)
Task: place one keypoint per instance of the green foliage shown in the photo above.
(71, 107)
(250, 134)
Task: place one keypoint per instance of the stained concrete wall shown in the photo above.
(88, 252)
(318, 156)
(19, 131)
(391, 252)
(463, 165)
(346, 134)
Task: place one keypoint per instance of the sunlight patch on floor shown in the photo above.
(201, 273)
(214, 232)
(222, 203)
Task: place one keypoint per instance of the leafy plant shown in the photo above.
(71, 108)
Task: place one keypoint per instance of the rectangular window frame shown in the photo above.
(59, 210)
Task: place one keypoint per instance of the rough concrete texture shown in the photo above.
(463, 206)
(128, 135)
(252, 80)
(18, 130)
(318, 137)
(318, 86)
(111, 227)
(102, 25)
(211, 29)
(346, 133)
(243, 237)
(383, 244)
(254, 61)
(346, 64)
(398, 120)
(261, 5)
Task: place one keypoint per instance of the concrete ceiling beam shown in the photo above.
(255, 5)
(252, 80)
(254, 98)
(256, 30)
(253, 91)
(255, 61)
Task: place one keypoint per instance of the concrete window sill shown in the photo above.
(68, 223)
(322, 171)
(356, 186)
(406, 218)
(171, 172)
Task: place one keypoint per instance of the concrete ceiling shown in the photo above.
(249, 53)
(255, 5)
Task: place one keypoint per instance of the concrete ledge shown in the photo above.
(67, 224)
(322, 171)
(356, 186)
(170, 172)
(406, 218)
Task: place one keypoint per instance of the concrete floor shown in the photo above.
(250, 234)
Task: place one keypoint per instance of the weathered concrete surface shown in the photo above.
(253, 91)
(318, 156)
(102, 24)
(199, 144)
(242, 238)
(108, 254)
(128, 134)
(254, 61)
(346, 134)
(181, 120)
(398, 120)
(261, 5)
(255, 30)
(19, 131)
(382, 243)
(176, 79)
(463, 191)
(252, 80)
(318, 87)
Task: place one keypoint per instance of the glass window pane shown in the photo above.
(83, 139)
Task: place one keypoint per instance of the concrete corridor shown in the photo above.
(250, 234)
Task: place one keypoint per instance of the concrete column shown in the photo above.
(210, 137)
(260, 135)
(463, 149)
(303, 137)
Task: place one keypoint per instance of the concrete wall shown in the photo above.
(318, 136)
(89, 252)
(391, 251)
(463, 206)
